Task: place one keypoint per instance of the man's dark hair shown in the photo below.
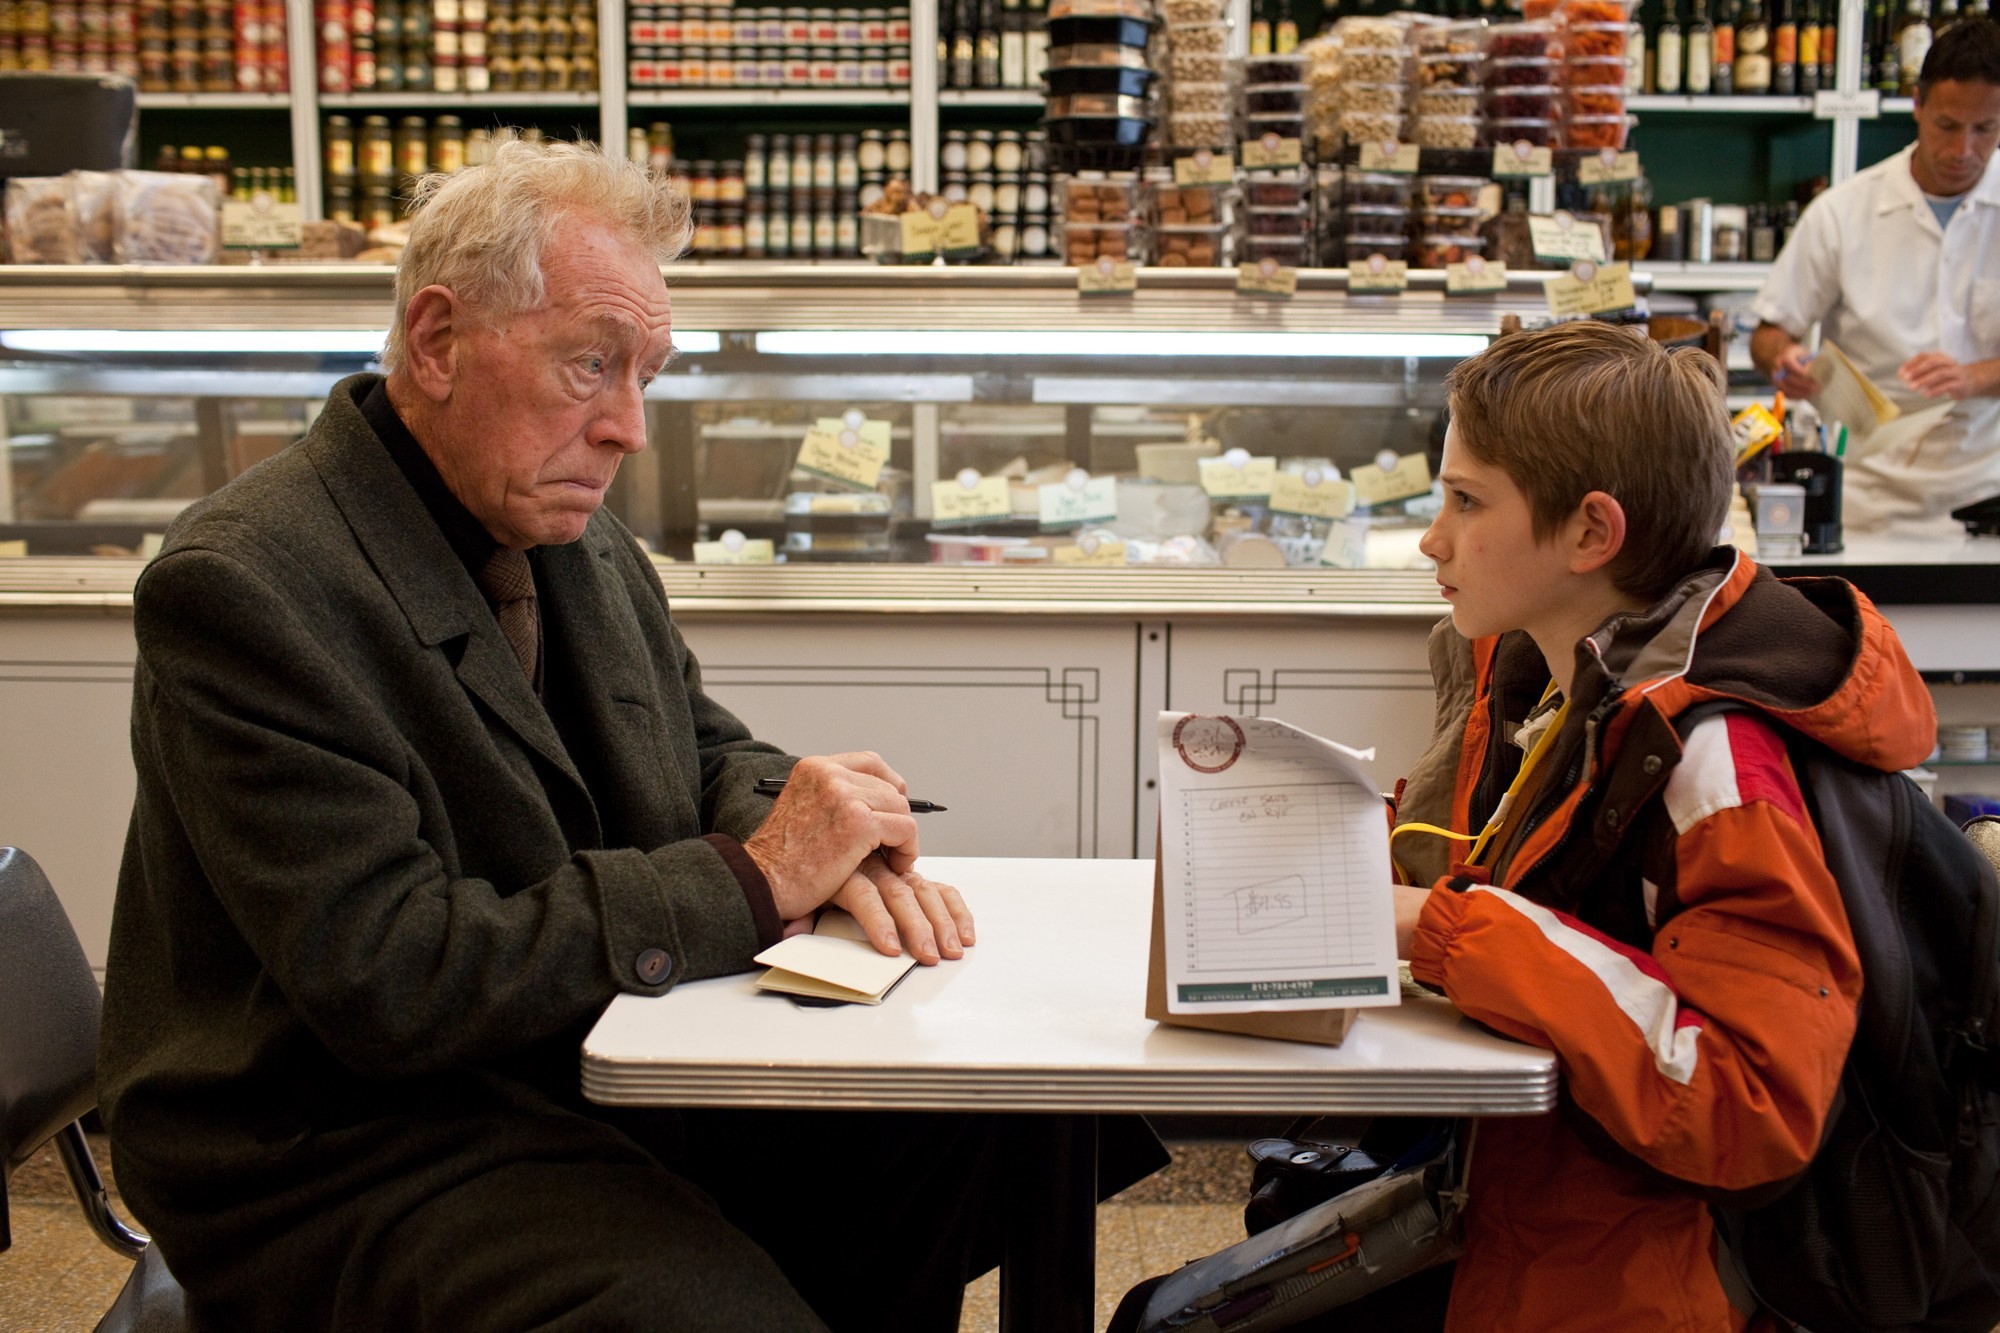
(1968, 49)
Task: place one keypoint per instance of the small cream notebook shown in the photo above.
(835, 962)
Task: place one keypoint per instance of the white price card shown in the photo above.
(1272, 151)
(1377, 274)
(968, 498)
(1107, 277)
(1314, 493)
(1235, 475)
(1522, 158)
(1559, 238)
(1862, 104)
(1591, 289)
(1607, 166)
(1347, 544)
(1474, 275)
(1391, 156)
(1391, 477)
(1076, 500)
(261, 223)
(851, 450)
(733, 548)
(1091, 549)
(1266, 277)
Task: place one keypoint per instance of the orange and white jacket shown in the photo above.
(1658, 913)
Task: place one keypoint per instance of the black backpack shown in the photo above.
(1896, 1223)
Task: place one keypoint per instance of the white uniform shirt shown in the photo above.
(1869, 263)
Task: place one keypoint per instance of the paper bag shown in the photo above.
(1324, 1027)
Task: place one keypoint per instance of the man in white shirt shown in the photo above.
(1901, 268)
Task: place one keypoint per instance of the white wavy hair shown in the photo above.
(482, 231)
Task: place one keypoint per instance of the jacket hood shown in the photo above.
(1812, 653)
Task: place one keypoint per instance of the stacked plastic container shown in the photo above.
(1278, 214)
(1449, 212)
(1374, 83)
(1594, 38)
(1193, 225)
(1098, 115)
(1322, 75)
(1448, 110)
(1376, 216)
(1104, 217)
(1200, 99)
(1524, 74)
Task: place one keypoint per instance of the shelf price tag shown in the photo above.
(850, 450)
(1272, 151)
(921, 231)
(1376, 274)
(733, 548)
(1237, 476)
(1266, 277)
(958, 229)
(1391, 477)
(1347, 544)
(1607, 166)
(1474, 275)
(1390, 156)
(261, 223)
(968, 498)
(1107, 277)
(1091, 549)
(1312, 493)
(1591, 289)
(1862, 104)
(1522, 158)
(1560, 238)
(1203, 167)
(1076, 500)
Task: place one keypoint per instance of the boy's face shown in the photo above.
(1491, 569)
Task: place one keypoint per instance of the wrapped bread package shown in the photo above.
(41, 221)
(167, 218)
(94, 200)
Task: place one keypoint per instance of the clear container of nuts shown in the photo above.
(1200, 98)
(1193, 11)
(1448, 101)
(1371, 126)
(1201, 129)
(1208, 37)
(1198, 66)
(1451, 131)
(1378, 97)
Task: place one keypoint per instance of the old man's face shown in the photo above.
(546, 403)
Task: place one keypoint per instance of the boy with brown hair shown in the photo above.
(1654, 908)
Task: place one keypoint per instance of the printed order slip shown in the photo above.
(1274, 870)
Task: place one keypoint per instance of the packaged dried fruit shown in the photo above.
(1539, 131)
(1596, 131)
(1536, 103)
(1260, 125)
(1377, 219)
(1380, 97)
(1450, 71)
(1597, 11)
(1378, 187)
(1590, 103)
(1276, 97)
(1436, 249)
(1085, 243)
(1450, 191)
(1191, 247)
(1274, 69)
(1603, 71)
(1454, 38)
(1279, 221)
(1445, 218)
(1522, 72)
(1517, 40)
(1361, 245)
(1190, 205)
(1086, 200)
(1451, 132)
(1597, 39)
(1275, 191)
(1291, 251)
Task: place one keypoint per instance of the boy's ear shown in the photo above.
(1597, 532)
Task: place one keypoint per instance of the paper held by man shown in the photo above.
(1874, 423)
(1272, 909)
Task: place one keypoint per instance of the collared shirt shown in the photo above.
(1869, 263)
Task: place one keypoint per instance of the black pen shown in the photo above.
(772, 786)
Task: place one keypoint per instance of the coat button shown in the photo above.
(1611, 815)
(1653, 765)
(653, 966)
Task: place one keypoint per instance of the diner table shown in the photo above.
(1043, 1018)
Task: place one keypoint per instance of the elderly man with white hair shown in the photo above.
(426, 777)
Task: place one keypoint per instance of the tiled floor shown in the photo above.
(58, 1277)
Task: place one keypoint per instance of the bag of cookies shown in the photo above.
(167, 218)
(94, 204)
(41, 226)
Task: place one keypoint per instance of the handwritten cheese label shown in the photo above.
(1091, 549)
(1267, 277)
(1376, 274)
(1607, 166)
(958, 229)
(968, 498)
(1107, 277)
(733, 548)
(849, 450)
(1272, 151)
(1391, 477)
(1347, 544)
(1076, 500)
(1237, 476)
(1400, 158)
(1522, 158)
(1591, 289)
(920, 233)
(1313, 493)
(262, 223)
(1474, 275)
(1203, 167)
(1559, 238)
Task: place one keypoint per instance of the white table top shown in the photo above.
(1046, 1013)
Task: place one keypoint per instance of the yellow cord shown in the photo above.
(1500, 811)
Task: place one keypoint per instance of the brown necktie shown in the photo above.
(509, 583)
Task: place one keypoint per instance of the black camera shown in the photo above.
(1292, 1175)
